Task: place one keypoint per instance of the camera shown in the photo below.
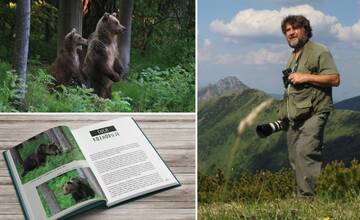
(265, 130)
(286, 73)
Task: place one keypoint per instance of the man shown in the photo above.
(307, 101)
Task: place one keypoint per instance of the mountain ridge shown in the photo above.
(218, 119)
(223, 86)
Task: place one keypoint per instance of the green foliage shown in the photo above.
(7, 24)
(43, 36)
(151, 89)
(282, 209)
(31, 146)
(52, 162)
(171, 89)
(44, 204)
(262, 186)
(42, 96)
(338, 182)
(8, 87)
(267, 195)
(42, 40)
(56, 186)
(218, 121)
(164, 31)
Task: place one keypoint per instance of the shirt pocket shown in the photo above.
(300, 104)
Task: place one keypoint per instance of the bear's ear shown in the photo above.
(106, 15)
(114, 14)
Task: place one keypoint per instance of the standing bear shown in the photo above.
(66, 68)
(78, 189)
(102, 65)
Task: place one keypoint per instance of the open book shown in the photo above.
(61, 172)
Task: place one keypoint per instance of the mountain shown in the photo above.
(222, 87)
(219, 117)
(349, 104)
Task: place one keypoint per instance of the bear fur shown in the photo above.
(102, 66)
(78, 189)
(37, 158)
(66, 69)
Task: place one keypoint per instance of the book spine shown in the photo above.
(21, 201)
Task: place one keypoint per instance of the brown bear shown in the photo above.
(37, 158)
(66, 69)
(78, 188)
(102, 66)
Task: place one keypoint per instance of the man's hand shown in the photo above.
(323, 80)
(298, 78)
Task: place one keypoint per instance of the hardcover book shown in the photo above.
(61, 172)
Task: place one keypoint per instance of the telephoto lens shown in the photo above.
(265, 130)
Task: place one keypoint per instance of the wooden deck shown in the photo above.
(172, 135)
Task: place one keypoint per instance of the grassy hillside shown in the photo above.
(219, 118)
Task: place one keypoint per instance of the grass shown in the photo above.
(53, 162)
(291, 208)
(267, 195)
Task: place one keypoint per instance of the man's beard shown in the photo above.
(298, 43)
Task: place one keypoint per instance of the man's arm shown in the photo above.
(323, 80)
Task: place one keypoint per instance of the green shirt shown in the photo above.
(302, 101)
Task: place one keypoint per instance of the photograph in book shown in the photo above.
(67, 190)
(45, 152)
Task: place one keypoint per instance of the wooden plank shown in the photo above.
(172, 135)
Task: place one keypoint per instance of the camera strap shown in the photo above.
(295, 67)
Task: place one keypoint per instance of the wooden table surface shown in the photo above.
(172, 135)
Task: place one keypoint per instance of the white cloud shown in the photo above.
(204, 53)
(265, 23)
(261, 57)
(294, 2)
(351, 33)
(207, 43)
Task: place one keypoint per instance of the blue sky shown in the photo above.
(243, 38)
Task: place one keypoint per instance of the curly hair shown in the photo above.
(297, 21)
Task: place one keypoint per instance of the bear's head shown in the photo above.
(73, 40)
(48, 149)
(109, 23)
(52, 149)
(71, 186)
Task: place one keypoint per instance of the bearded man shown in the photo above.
(307, 101)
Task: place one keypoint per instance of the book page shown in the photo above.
(51, 175)
(123, 160)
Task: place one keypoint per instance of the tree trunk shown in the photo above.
(57, 137)
(23, 9)
(126, 10)
(70, 16)
(89, 175)
(49, 198)
(16, 156)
